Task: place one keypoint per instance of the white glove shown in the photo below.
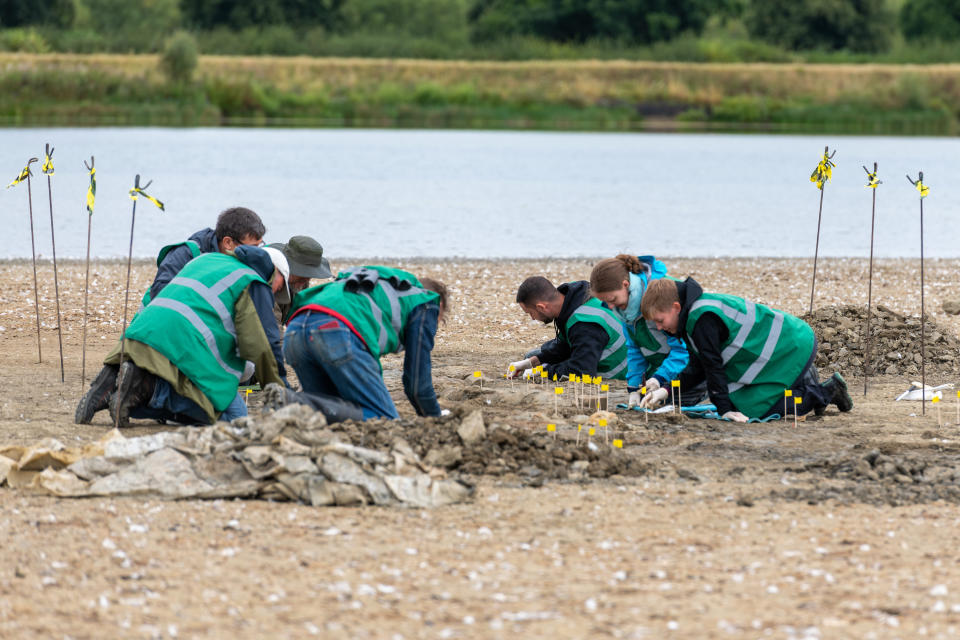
(634, 399)
(652, 385)
(735, 416)
(655, 399)
(521, 365)
(444, 413)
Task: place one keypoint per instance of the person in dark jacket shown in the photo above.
(749, 354)
(235, 226)
(590, 338)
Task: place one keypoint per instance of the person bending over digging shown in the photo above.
(590, 338)
(187, 350)
(338, 331)
(654, 358)
(747, 353)
(235, 226)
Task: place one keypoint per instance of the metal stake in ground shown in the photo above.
(91, 197)
(47, 168)
(25, 175)
(134, 193)
(924, 192)
(872, 183)
(820, 176)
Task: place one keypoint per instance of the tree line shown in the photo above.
(381, 27)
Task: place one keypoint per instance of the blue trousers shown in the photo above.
(167, 405)
(330, 359)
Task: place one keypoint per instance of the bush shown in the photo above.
(857, 25)
(26, 40)
(179, 58)
(931, 19)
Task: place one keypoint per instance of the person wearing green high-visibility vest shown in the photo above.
(654, 358)
(338, 331)
(590, 339)
(185, 353)
(748, 353)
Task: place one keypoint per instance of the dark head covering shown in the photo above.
(305, 256)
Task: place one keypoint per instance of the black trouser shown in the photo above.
(807, 387)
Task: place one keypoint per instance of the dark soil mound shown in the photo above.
(895, 349)
(533, 457)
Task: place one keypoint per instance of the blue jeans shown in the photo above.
(330, 359)
(167, 405)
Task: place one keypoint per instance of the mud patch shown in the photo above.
(895, 349)
(880, 479)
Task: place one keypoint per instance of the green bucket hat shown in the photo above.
(305, 256)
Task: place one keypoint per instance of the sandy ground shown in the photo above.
(842, 527)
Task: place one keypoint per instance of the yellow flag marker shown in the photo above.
(512, 375)
(557, 392)
(786, 394)
(246, 396)
(479, 376)
(675, 384)
(579, 429)
(646, 414)
(604, 387)
(554, 377)
(618, 444)
(603, 423)
(553, 429)
(936, 400)
(591, 431)
(797, 400)
(958, 408)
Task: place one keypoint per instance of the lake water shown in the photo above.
(405, 193)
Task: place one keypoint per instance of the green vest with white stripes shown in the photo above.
(191, 323)
(379, 316)
(652, 344)
(190, 244)
(613, 359)
(765, 353)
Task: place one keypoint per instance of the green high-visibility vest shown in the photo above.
(613, 359)
(380, 314)
(652, 344)
(190, 244)
(765, 353)
(191, 323)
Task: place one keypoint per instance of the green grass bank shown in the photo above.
(101, 89)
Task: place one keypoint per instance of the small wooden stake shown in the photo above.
(935, 400)
(676, 405)
(646, 412)
(786, 394)
(603, 423)
(796, 403)
(552, 428)
(579, 429)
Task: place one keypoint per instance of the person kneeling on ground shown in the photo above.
(654, 358)
(186, 351)
(748, 353)
(338, 331)
(590, 339)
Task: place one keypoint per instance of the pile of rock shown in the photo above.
(895, 349)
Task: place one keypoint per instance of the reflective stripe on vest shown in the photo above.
(765, 354)
(393, 299)
(611, 323)
(661, 339)
(191, 316)
(745, 320)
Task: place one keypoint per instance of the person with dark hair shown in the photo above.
(590, 338)
(653, 357)
(235, 226)
(186, 352)
(747, 353)
(338, 331)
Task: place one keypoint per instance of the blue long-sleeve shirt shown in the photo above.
(418, 337)
(668, 370)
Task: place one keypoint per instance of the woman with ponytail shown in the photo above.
(653, 357)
